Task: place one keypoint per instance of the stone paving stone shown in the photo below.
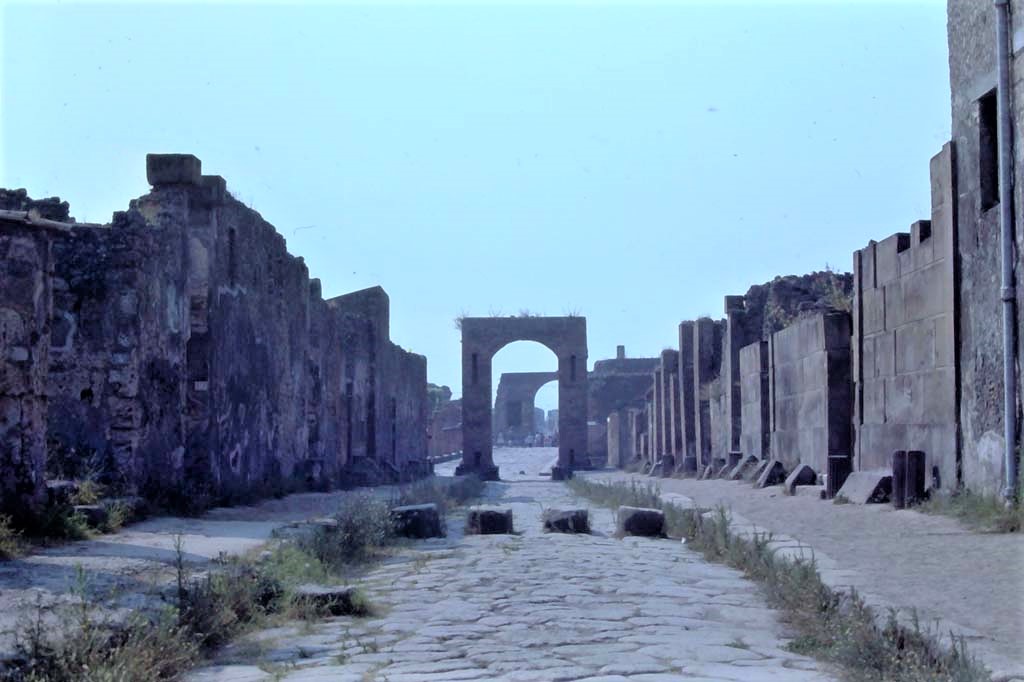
(543, 607)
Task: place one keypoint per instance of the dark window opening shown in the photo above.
(85, 395)
(988, 151)
(475, 368)
(572, 368)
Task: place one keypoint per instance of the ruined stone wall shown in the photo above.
(514, 412)
(408, 413)
(811, 391)
(446, 429)
(117, 355)
(905, 339)
(687, 397)
(972, 76)
(382, 383)
(671, 433)
(755, 411)
(25, 309)
(192, 360)
(617, 384)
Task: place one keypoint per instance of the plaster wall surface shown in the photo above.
(972, 77)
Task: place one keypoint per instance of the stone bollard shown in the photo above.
(489, 521)
(566, 521)
(640, 521)
(417, 521)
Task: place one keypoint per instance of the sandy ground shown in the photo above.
(968, 582)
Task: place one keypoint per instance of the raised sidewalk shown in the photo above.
(958, 580)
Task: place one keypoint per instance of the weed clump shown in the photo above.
(986, 513)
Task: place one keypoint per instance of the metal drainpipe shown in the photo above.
(1002, 8)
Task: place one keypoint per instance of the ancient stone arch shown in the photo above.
(482, 337)
(515, 400)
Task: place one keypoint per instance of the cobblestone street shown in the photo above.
(535, 606)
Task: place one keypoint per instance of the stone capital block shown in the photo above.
(173, 169)
(801, 475)
(866, 487)
(774, 473)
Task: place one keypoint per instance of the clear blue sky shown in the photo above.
(632, 161)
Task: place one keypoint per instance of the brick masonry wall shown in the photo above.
(811, 391)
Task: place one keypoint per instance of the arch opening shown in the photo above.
(482, 339)
(519, 372)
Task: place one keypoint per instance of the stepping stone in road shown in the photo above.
(417, 521)
(640, 521)
(485, 520)
(334, 600)
(566, 521)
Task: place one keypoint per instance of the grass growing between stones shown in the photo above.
(240, 595)
(11, 544)
(446, 493)
(833, 627)
(362, 530)
(986, 513)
